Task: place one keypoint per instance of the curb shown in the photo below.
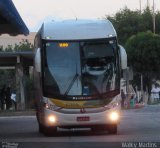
(17, 113)
(136, 106)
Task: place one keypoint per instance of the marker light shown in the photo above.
(52, 119)
(49, 106)
(47, 37)
(63, 45)
(114, 116)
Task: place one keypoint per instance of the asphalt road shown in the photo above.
(138, 128)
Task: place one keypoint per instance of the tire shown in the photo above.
(49, 131)
(112, 129)
(40, 128)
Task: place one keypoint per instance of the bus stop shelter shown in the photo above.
(11, 23)
(10, 20)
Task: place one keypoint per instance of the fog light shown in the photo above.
(114, 116)
(52, 119)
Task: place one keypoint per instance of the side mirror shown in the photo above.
(123, 57)
(37, 60)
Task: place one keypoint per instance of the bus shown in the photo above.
(77, 72)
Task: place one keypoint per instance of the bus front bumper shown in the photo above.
(57, 119)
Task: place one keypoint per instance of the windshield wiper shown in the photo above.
(71, 84)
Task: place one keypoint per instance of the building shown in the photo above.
(6, 39)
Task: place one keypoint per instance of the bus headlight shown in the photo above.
(114, 116)
(52, 119)
(49, 106)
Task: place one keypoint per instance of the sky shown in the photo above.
(35, 12)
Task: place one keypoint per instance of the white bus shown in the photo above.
(77, 75)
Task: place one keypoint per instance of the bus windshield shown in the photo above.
(80, 68)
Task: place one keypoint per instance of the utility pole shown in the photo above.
(140, 4)
(142, 88)
(154, 18)
(148, 3)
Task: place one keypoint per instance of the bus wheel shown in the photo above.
(112, 129)
(49, 131)
(40, 128)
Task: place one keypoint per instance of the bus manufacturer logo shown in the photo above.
(82, 110)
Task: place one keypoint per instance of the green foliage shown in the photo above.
(143, 47)
(143, 50)
(128, 22)
(147, 20)
(7, 77)
(1, 48)
(24, 45)
(157, 22)
(9, 48)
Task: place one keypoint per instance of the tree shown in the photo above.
(157, 20)
(147, 20)
(1, 48)
(7, 78)
(143, 50)
(128, 22)
(25, 45)
(9, 48)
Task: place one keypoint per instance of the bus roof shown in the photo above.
(77, 30)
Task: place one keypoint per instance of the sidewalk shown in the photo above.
(135, 106)
(17, 113)
(142, 105)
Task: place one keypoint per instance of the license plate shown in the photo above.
(85, 118)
